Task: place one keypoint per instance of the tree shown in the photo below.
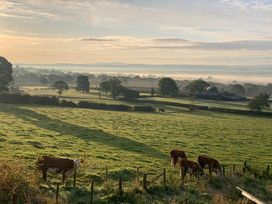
(197, 87)
(5, 74)
(61, 86)
(112, 85)
(152, 93)
(128, 93)
(105, 86)
(83, 84)
(237, 89)
(168, 87)
(259, 102)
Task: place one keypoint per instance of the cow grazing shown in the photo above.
(193, 168)
(53, 165)
(161, 110)
(177, 155)
(212, 164)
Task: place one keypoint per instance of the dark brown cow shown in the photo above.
(208, 162)
(177, 155)
(193, 168)
(53, 165)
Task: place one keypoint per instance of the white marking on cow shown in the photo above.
(52, 170)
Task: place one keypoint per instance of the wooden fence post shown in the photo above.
(92, 192)
(164, 176)
(106, 175)
(74, 178)
(137, 174)
(233, 168)
(57, 193)
(144, 182)
(120, 188)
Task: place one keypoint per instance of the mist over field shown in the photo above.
(260, 74)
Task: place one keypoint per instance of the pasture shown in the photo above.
(126, 140)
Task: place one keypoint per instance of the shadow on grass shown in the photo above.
(83, 133)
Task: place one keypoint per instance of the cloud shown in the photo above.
(170, 40)
(257, 45)
(91, 39)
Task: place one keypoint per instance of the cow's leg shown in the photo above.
(210, 171)
(183, 172)
(45, 175)
(63, 177)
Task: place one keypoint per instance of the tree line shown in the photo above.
(167, 87)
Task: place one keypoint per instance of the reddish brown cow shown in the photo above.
(54, 165)
(177, 155)
(210, 163)
(193, 168)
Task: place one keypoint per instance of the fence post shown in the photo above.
(144, 182)
(57, 193)
(120, 189)
(106, 175)
(92, 191)
(267, 170)
(164, 176)
(233, 168)
(137, 174)
(75, 178)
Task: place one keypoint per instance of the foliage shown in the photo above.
(129, 94)
(144, 109)
(168, 87)
(5, 74)
(113, 86)
(237, 89)
(68, 104)
(103, 106)
(83, 84)
(197, 87)
(259, 102)
(61, 86)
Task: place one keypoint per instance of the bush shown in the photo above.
(102, 106)
(68, 104)
(27, 99)
(16, 184)
(144, 108)
(15, 98)
(45, 100)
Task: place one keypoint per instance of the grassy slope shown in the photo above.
(124, 139)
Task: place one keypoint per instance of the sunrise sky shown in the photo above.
(208, 32)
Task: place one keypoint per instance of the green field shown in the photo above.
(126, 140)
(132, 138)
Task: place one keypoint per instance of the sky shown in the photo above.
(194, 32)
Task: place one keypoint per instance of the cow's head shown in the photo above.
(77, 162)
(218, 171)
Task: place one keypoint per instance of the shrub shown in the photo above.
(102, 106)
(68, 104)
(144, 108)
(45, 100)
(15, 98)
(16, 184)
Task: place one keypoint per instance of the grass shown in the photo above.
(126, 140)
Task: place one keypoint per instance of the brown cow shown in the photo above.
(177, 155)
(53, 165)
(210, 163)
(192, 167)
